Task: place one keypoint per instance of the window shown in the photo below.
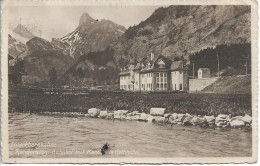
(161, 79)
(165, 85)
(157, 85)
(161, 85)
(180, 86)
(162, 66)
(124, 86)
(157, 79)
(175, 87)
(161, 74)
(165, 79)
(157, 74)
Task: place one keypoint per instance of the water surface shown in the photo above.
(34, 135)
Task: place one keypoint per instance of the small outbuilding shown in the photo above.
(203, 73)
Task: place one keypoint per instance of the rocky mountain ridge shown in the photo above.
(183, 30)
(91, 35)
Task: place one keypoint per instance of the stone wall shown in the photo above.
(200, 84)
(158, 115)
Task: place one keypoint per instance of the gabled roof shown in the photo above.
(163, 58)
(178, 65)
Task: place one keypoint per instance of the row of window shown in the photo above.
(147, 75)
(129, 86)
(160, 86)
(125, 77)
(147, 86)
(174, 87)
(161, 79)
(161, 74)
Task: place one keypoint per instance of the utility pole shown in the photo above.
(218, 63)
(193, 70)
(246, 65)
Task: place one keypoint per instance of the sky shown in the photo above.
(57, 21)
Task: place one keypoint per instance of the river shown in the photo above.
(37, 136)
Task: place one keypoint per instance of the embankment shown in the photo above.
(238, 84)
(194, 104)
(158, 115)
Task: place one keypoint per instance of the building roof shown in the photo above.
(204, 69)
(147, 65)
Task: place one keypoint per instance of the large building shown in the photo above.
(154, 74)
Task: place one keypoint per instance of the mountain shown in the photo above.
(15, 47)
(94, 68)
(21, 33)
(183, 30)
(91, 35)
(41, 57)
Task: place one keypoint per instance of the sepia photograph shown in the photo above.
(150, 83)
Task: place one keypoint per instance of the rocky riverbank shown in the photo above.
(158, 115)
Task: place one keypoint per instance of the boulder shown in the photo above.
(181, 117)
(157, 111)
(197, 120)
(135, 112)
(222, 120)
(210, 120)
(103, 114)
(93, 112)
(150, 118)
(122, 111)
(128, 117)
(135, 117)
(174, 116)
(247, 119)
(87, 115)
(166, 115)
(187, 120)
(159, 119)
(237, 123)
(120, 114)
(143, 117)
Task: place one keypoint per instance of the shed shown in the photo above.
(203, 73)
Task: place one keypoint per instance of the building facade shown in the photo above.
(155, 74)
(203, 73)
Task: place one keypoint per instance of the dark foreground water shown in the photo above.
(33, 135)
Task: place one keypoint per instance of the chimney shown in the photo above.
(152, 55)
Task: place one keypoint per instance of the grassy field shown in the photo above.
(196, 104)
(231, 84)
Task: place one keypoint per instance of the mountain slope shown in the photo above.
(41, 57)
(183, 30)
(94, 68)
(90, 36)
(231, 84)
(15, 47)
(21, 33)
